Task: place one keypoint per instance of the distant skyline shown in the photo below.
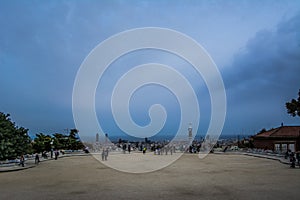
(255, 45)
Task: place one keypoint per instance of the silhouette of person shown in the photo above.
(22, 160)
(37, 159)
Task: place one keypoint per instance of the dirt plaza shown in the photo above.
(214, 177)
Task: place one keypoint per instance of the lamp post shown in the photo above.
(190, 131)
(51, 143)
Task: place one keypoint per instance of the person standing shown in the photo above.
(292, 160)
(298, 158)
(56, 153)
(106, 154)
(37, 159)
(129, 148)
(124, 148)
(22, 160)
(103, 154)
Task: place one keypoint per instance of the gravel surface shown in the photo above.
(214, 177)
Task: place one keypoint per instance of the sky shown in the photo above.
(254, 44)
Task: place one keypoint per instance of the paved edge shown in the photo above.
(18, 168)
(31, 165)
(281, 160)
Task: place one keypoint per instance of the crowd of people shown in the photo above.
(165, 148)
(53, 154)
(157, 148)
(293, 157)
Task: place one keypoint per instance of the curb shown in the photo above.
(268, 157)
(257, 156)
(32, 165)
(16, 168)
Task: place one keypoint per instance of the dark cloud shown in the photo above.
(264, 75)
(42, 45)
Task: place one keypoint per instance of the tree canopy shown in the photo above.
(57, 141)
(42, 142)
(14, 140)
(293, 107)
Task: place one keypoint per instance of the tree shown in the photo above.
(42, 143)
(70, 141)
(293, 107)
(60, 141)
(14, 141)
(73, 140)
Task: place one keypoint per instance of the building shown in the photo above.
(278, 139)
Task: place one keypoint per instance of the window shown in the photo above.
(284, 147)
(277, 148)
(292, 147)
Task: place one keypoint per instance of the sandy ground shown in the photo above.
(214, 177)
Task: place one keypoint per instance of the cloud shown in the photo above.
(42, 45)
(264, 75)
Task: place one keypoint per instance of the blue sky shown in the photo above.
(255, 45)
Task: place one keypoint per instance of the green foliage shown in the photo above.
(57, 141)
(293, 107)
(42, 143)
(73, 140)
(14, 141)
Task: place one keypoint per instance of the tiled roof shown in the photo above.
(282, 131)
